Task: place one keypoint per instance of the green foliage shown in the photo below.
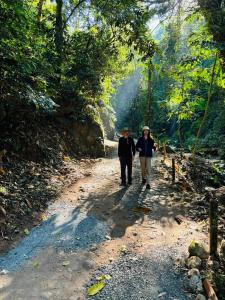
(183, 78)
(59, 54)
(41, 103)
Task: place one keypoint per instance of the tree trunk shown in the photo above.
(148, 115)
(40, 9)
(59, 34)
(206, 109)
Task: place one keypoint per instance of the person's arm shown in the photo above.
(138, 145)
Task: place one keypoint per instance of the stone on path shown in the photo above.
(194, 262)
(195, 284)
(198, 249)
(193, 272)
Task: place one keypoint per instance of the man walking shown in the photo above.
(126, 153)
(145, 146)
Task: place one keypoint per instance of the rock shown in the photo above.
(93, 143)
(200, 297)
(181, 261)
(198, 249)
(195, 283)
(213, 264)
(46, 295)
(94, 248)
(194, 262)
(193, 272)
(4, 272)
(161, 295)
(88, 264)
(82, 189)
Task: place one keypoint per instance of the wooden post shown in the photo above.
(213, 221)
(209, 290)
(173, 170)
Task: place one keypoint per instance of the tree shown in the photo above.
(214, 14)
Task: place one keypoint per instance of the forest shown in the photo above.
(74, 73)
(63, 61)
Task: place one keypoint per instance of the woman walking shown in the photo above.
(146, 146)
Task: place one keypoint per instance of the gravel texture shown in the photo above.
(136, 277)
(66, 229)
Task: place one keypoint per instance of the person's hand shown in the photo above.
(139, 149)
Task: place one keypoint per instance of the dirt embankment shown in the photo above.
(40, 154)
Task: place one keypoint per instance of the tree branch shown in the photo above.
(73, 11)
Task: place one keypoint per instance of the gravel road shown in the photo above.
(83, 236)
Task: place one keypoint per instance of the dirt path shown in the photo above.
(96, 228)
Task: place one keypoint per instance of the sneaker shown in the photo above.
(123, 184)
(143, 181)
(148, 186)
(130, 183)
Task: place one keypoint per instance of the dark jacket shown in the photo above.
(126, 147)
(146, 146)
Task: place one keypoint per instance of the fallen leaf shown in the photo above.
(3, 190)
(103, 277)
(2, 211)
(95, 288)
(2, 171)
(28, 203)
(66, 158)
(43, 217)
(36, 264)
(26, 231)
(124, 249)
(66, 263)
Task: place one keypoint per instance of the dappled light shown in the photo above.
(112, 150)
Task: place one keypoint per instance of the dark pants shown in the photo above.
(126, 163)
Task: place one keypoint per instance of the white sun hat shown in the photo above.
(146, 128)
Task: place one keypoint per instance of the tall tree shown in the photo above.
(214, 14)
(59, 40)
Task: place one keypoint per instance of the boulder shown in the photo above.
(195, 284)
(194, 262)
(108, 118)
(88, 138)
(198, 249)
(192, 272)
